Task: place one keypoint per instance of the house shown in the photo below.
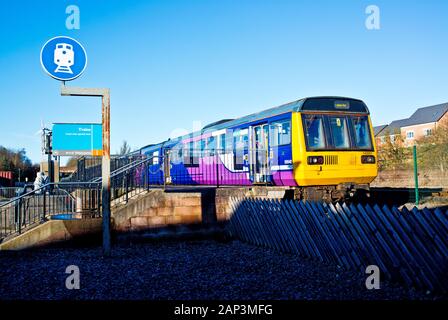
(391, 130)
(423, 122)
(420, 124)
(376, 133)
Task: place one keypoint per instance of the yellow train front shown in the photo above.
(333, 148)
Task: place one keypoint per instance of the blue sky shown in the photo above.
(169, 63)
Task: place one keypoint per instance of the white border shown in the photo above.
(45, 69)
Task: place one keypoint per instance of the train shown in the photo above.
(315, 147)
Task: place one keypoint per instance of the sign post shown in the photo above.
(65, 59)
(104, 93)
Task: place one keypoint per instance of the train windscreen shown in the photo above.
(337, 132)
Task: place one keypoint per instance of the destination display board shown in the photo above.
(77, 139)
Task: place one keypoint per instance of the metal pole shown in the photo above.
(165, 153)
(417, 200)
(44, 208)
(104, 93)
(217, 168)
(106, 172)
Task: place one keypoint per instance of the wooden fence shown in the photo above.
(408, 246)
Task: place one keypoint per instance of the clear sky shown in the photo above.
(170, 63)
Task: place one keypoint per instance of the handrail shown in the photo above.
(46, 186)
(97, 166)
(126, 168)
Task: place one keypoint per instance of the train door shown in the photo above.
(260, 169)
(167, 166)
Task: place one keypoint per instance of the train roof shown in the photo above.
(305, 104)
(321, 103)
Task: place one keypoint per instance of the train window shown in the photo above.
(155, 157)
(191, 156)
(240, 143)
(314, 131)
(211, 145)
(222, 143)
(339, 132)
(362, 132)
(280, 133)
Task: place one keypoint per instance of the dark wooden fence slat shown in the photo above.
(260, 222)
(429, 264)
(270, 231)
(438, 235)
(384, 255)
(344, 237)
(329, 249)
(303, 228)
(406, 266)
(344, 253)
(372, 253)
(285, 218)
(357, 244)
(297, 229)
(251, 222)
(319, 244)
(280, 230)
(427, 235)
(407, 245)
(321, 221)
(233, 227)
(241, 227)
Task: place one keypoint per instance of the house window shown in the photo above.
(409, 134)
(427, 132)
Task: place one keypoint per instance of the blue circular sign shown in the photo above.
(63, 58)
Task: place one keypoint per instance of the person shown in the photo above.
(41, 180)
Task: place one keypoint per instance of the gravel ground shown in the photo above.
(203, 269)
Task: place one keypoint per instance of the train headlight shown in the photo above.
(367, 159)
(315, 160)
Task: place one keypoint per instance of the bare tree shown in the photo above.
(125, 148)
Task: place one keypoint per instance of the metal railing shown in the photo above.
(21, 213)
(89, 168)
(131, 176)
(7, 193)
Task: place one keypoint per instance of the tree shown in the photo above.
(17, 162)
(125, 148)
(433, 149)
(392, 153)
